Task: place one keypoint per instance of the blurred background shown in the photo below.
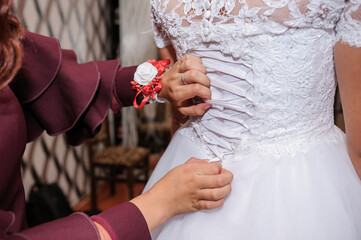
(100, 30)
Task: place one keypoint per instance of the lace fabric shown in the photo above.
(271, 68)
(187, 23)
(282, 148)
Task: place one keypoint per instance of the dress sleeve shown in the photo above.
(160, 36)
(61, 96)
(349, 26)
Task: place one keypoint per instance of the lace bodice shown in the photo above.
(270, 63)
(187, 23)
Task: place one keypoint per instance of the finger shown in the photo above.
(215, 194)
(227, 174)
(188, 61)
(195, 110)
(192, 58)
(190, 91)
(209, 169)
(215, 181)
(203, 204)
(197, 160)
(196, 76)
(191, 65)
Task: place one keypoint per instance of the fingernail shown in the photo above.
(208, 106)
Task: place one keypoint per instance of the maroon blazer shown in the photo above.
(53, 92)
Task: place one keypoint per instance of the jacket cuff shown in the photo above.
(124, 93)
(124, 221)
(76, 226)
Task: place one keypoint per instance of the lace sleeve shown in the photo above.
(349, 25)
(160, 36)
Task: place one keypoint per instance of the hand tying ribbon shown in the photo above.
(147, 80)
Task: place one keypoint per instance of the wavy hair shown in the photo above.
(11, 34)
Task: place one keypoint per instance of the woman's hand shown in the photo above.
(189, 187)
(179, 94)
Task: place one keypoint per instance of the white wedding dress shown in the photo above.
(271, 124)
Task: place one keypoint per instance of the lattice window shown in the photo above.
(84, 26)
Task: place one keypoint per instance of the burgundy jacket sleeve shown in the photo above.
(75, 226)
(120, 225)
(123, 222)
(61, 96)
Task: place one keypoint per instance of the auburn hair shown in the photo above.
(11, 35)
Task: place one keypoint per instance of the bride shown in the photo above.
(272, 66)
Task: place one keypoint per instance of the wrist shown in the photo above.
(155, 209)
(103, 233)
(163, 93)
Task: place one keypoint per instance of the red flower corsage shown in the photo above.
(147, 80)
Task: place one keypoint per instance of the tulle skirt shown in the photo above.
(314, 194)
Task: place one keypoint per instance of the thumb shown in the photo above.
(197, 160)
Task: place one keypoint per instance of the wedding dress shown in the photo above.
(271, 124)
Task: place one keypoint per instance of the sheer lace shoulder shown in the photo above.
(160, 36)
(349, 26)
(187, 23)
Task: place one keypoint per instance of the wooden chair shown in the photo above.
(119, 163)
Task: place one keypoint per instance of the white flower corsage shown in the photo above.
(147, 80)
